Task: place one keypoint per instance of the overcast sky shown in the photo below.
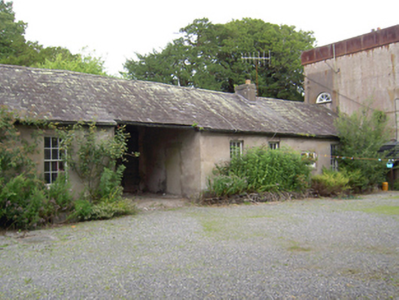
(118, 29)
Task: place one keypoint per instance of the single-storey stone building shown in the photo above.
(180, 132)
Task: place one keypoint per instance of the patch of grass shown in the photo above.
(212, 226)
(383, 209)
(297, 248)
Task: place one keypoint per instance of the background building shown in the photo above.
(350, 74)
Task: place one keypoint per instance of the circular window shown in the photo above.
(323, 98)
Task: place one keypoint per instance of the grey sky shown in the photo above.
(119, 28)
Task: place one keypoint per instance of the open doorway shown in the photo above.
(131, 177)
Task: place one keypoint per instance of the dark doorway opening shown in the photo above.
(131, 176)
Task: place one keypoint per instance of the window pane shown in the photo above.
(54, 154)
(46, 167)
(61, 166)
(54, 166)
(47, 177)
(47, 154)
(53, 177)
(54, 142)
(47, 143)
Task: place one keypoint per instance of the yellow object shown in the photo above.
(385, 186)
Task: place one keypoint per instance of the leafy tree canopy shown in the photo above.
(73, 62)
(12, 40)
(209, 56)
(361, 136)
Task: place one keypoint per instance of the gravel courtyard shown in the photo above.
(302, 249)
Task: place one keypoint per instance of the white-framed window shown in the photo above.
(323, 98)
(274, 145)
(311, 157)
(334, 161)
(236, 148)
(53, 163)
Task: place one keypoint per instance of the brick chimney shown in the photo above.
(247, 90)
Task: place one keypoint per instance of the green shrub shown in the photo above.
(271, 170)
(261, 170)
(358, 181)
(223, 185)
(59, 191)
(331, 183)
(85, 210)
(395, 186)
(82, 210)
(108, 210)
(23, 203)
(90, 152)
(110, 188)
(361, 136)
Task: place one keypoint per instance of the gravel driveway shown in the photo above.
(302, 249)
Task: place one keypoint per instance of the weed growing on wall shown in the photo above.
(93, 155)
(14, 150)
(260, 170)
(90, 152)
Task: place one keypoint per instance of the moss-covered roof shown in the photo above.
(70, 96)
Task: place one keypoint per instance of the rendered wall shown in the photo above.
(355, 78)
(215, 149)
(170, 161)
(76, 183)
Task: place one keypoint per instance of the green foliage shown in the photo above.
(209, 56)
(59, 193)
(261, 170)
(14, 150)
(224, 185)
(22, 202)
(12, 40)
(26, 202)
(331, 183)
(362, 134)
(90, 151)
(82, 210)
(85, 210)
(84, 63)
(110, 184)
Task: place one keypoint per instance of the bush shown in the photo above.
(361, 135)
(85, 210)
(110, 188)
(331, 183)
(261, 170)
(22, 203)
(358, 181)
(26, 202)
(89, 155)
(223, 185)
(59, 192)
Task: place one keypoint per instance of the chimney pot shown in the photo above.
(248, 81)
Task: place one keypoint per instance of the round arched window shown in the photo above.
(323, 98)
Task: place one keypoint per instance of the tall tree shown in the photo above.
(12, 40)
(62, 59)
(210, 56)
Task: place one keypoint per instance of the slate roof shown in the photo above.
(67, 96)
